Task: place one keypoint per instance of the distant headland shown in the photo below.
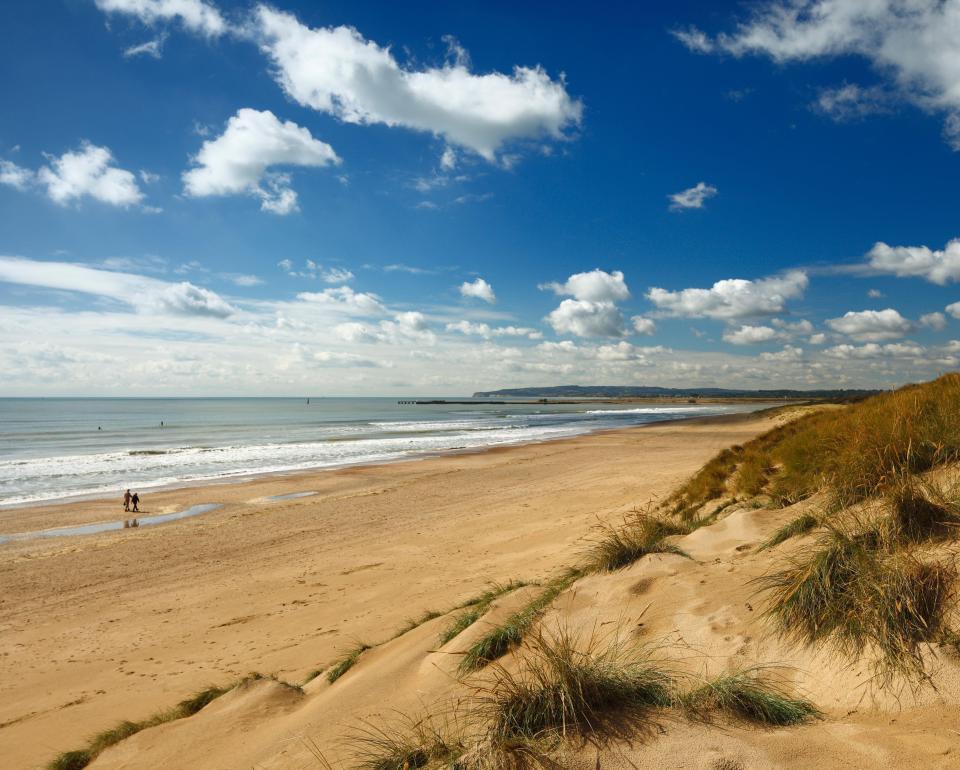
(649, 391)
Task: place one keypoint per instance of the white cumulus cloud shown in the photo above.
(404, 328)
(789, 355)
(337, 71)
(643, 325)
(692, 198)
(587, 319)
(593, 286)
(15, 176)
(873, 350)
(937, 266)
(336, 275)
(343, 298)
(196, 15)
(479, 289)
(593, 311)
(750, 335)
(239, 160)
(487, 332)
(732, 298)
(89, 172)
(871, 325)
(935, 321)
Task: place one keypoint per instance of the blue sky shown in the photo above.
(364, 198)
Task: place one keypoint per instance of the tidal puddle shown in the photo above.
(291, 496)
(108, 526)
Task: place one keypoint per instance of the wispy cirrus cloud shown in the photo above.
(912, 44)
(692, 198)
(151, 48)
(149, 295)
(195, 15)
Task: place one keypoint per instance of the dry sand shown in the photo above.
(120, 625)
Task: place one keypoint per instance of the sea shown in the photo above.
(62, 448)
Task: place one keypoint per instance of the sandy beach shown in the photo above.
(115, 626)
(122, 625)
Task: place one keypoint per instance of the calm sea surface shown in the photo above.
(54, 448)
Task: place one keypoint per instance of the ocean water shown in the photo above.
(51, 449)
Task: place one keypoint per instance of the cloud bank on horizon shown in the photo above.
(349, 205)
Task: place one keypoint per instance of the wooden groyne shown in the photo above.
(444, 402)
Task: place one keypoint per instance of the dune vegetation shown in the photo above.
(879, 581)
(754, 694)
(616, 547)
(80, 758)
(850, 453)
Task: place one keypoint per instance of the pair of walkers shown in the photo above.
(131, 502)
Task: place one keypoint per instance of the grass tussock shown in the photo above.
(71, 760)
(920, 512)
(501, 639)
(80, 758)
(617, 547)
(347, 662)
(709, 483)
(476, 608)
(409, 745)
(311, 676)
(801, 525)
(416, 622)
(752, 694)
(600, 689)
(852, 592)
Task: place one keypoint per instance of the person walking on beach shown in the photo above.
(135, 499)
(126, 500)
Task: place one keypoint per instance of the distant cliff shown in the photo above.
(647, 391)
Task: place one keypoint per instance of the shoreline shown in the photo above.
(54, 504)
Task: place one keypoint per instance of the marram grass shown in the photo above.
(562, 687)
(80, 758)
(476, 608)
(752, 694)
(852, 453)
(618, 547)
(850, 591)
(409, 745)
(801, 525)
(347, 662)
(499, 640)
